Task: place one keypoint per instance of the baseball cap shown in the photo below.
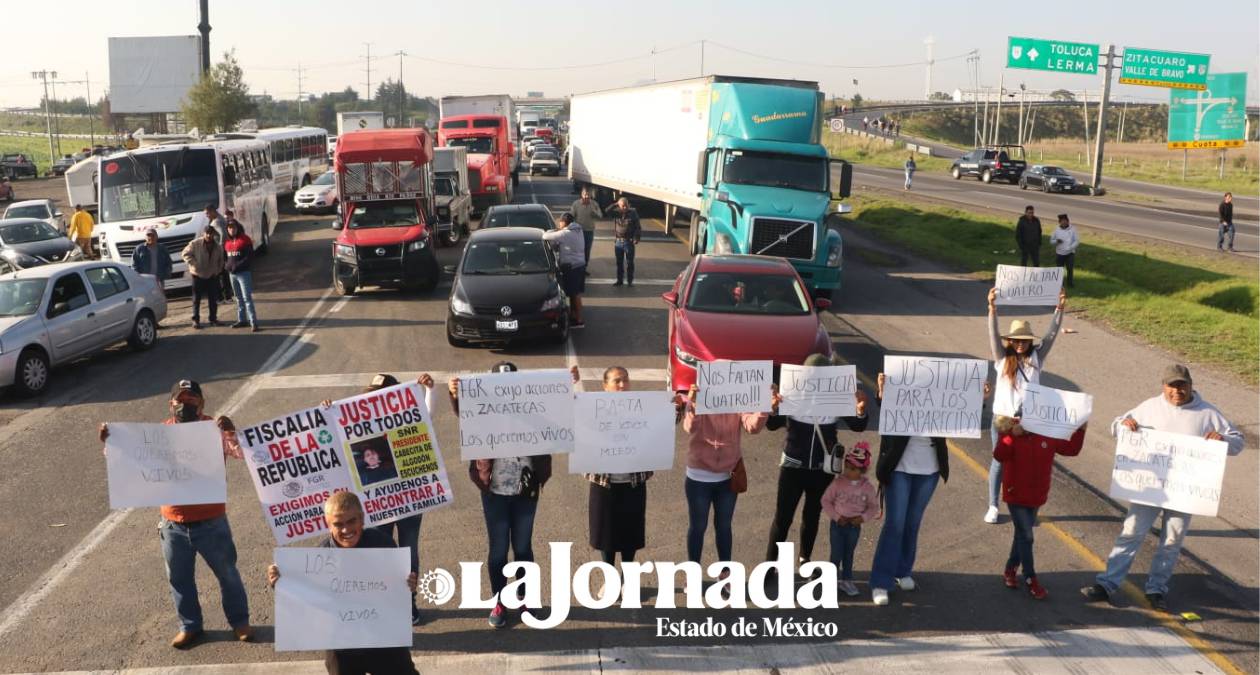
(1177, 373)
(190, 386)
(382, 380)
(503, 367)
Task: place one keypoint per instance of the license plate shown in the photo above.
(510, 325)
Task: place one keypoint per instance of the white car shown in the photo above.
(321, 195)
(39, 209)
(544, 162)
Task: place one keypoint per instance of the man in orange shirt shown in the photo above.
(192, 529)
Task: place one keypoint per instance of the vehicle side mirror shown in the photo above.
(822, 304)
(60, 308)
(846, 181)
(58, 214)
(702, 167)
(337, 225)
(670, 297)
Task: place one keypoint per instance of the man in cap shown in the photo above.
(205, 260)
(190, 530)
(1179, 409)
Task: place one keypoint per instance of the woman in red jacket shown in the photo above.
(1027, 460)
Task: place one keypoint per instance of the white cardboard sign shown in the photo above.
(1173, 471)
(334, 598)
(165, 464)
(932, 396)
(623, 432)
(515, 414)
(1054, 412)
(814, 392)
(733, 387)
(1029, 286)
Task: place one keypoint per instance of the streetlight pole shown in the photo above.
(87, 78)
(44, 75)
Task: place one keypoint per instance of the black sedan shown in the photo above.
(519, 215)
(29, 242)
(1047, 179)
(507, 287)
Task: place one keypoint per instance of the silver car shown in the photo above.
(52, 314)
(40, 209)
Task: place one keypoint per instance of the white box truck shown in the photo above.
(354, 121)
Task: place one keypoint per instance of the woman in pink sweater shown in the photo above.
(849, 501)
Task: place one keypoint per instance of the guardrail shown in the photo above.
(36, 134)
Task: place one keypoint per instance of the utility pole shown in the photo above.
(1102, 117)
(984, 128)
(87, 78)
(55, 118)
(204, 28)
(44, 75)
(997, 116)
(1085, 114)
(702, 58)
(653, 63)
(1022, 96)
(367, 95)
(927, 87)
(401, 89)
(299, 73)
(973, 63)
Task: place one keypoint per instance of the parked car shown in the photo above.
(1048, 178)
(992, 162)
(43, 209)
(544, 162)
(53, 314)
(319, 195)
(59, 167)
(507, 287)
(29, 242)
(17, 165)
(740, 307)
(519, 215)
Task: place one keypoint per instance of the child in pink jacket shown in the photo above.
(849, 501)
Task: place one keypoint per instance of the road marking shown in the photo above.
(340, 304)
(638, 282)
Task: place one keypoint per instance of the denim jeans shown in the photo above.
(1024, 518)
(212, 539)
(1224, 233)
(909, 179)
(243, 286)
(588, 238)
(623, 250)
(408, 534)
(995, 482)
(701, 498)
(1137, 522)
(906, 496)
(844, 541)
(509, 522)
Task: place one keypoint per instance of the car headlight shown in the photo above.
(723, 244)
(418, 245)
(552, 303)
(686, 358)
(834, 253)
(492, 188)
(344, 251)
(1054, 181)
(460, 306)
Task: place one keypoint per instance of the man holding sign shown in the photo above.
(1179, 409)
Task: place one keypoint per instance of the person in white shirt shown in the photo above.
(1065, 240)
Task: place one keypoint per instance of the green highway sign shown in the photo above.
(1157, 68)
(1053, 55)
(1213, 118)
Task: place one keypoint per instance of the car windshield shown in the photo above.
(477, 145)
(545, 156)
(21, 297)
(443, 188)
(794, 172)
(30, 211)
(1054, 171)
(383, 215)
(27, 232)
(165, 183)
(506, 257)
(741, 293)
(326, 178)
(537, 218)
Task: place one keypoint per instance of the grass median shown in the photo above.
(1201, 306)
(875, 152)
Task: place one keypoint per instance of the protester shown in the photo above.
(1018, 363)
(238, 251)
(849, 501)
(1226, 228)
(1065, 241)
(204, 258)
(80, 231)
(586, 212)
(343, 513)
(152, 258)
(568, 235)
(1028, 460)
(807, 446)
(510, 488)
(213, 218)
(910, 169)
(1180, 410)
(1028, 238)
(225, 281)
(192, 529)
(626, 233)
(617, 502)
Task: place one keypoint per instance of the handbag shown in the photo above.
(833, 459)
(739, 478)
(529, 483)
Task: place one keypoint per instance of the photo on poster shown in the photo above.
(373, 461)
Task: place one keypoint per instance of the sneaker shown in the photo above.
(1010, 578)
(617, 282)
(1036, 590)
(848, 587)
(1157, 602)
(185, 638)
(498, 617)
(905, 583)
(239, 324)
(1095, 593)
(991, 516)
(215, 322)
(244, 633)
(416, 618)
(879, 596)
(197, 325)
(254, 328)
(578, 324)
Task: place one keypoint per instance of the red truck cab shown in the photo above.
(492, 161)
(385, 189)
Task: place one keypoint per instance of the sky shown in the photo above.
(563, 46)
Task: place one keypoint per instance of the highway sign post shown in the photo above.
(1053, 55)
(1158, 68)
(1213, 118)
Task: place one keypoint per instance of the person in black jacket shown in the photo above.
(1226, 230)
(805, 447)
(1028, 238)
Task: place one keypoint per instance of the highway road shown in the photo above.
(82, 587)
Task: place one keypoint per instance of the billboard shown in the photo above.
(152, 74)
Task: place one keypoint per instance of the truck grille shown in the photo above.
(784, 238)
(173, 245)
(474, 179)
(371, 252)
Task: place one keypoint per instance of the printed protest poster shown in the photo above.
(515, 414)
(1174, 471)
(159, 464)
(1054, 412)
(336, 598)
(932, 396)
(392, 455)
(623, 432)
(733, 386)
(296, 463)
(1038, 286)
(817, 392)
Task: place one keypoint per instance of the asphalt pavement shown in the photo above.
(82, 587)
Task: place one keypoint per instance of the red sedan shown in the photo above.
(740, 307)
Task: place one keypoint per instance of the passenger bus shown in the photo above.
(298, 154)
(168, 186)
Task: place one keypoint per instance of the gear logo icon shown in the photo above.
(437, 586)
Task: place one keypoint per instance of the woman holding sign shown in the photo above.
(1018, 362)
(618, 501)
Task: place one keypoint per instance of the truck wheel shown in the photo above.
(987, 176)
(32, 373)
(452, 236)
(957, 173)
(343, 288)
(1023, 184)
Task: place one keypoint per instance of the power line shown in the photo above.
(580, 66)
(814, 64)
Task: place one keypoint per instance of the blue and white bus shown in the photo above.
(298, 154)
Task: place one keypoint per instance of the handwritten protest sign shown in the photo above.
(1054, 412)
(331, 598)
(817, 392)
(157, 464)
(932, 396)
(1038, 286)
(1174, 471)
(391, 453)
(515, 414)
(296, 463)
(733, 386)
(623, 432)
